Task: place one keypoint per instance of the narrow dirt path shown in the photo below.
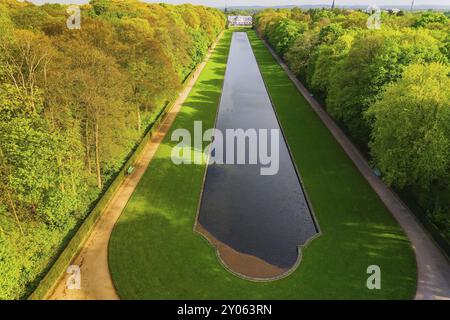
(96, 282)
(433, 266)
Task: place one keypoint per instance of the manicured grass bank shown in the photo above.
(155, 254)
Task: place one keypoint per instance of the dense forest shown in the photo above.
(73, 104)
(389, 88)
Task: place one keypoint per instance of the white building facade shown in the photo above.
(240, 20)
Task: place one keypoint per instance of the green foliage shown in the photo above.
(30, 17)
(28, 146)
(201, 46)
(374, 60)
(284, 33)
(441, 219)
(428, 18)
(99, 6)
(411, 135)
(324, 62)
(73, 104)
(353, 70)
(445, 47)
(330, 33)
(299, 55)
(6, 25)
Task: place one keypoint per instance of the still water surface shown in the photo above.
(264, 216)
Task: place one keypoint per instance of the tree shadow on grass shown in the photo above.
(155, 253)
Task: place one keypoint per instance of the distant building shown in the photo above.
(240, 20)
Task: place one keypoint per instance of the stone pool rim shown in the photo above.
(297, 172)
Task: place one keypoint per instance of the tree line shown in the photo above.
(73, 104)
(389, 88)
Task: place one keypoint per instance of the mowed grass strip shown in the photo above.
(155, 254)
(358, 230)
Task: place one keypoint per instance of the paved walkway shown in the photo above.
(96, 282)
(433, 266)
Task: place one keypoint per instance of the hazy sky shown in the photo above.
(222, 3)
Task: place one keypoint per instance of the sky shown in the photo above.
(222, 3)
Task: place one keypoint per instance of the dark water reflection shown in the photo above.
(264, 216)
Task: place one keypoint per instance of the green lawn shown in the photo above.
(155, 254)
